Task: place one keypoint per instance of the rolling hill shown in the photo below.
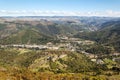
(53, 61)
(30, 31)
(109, 34)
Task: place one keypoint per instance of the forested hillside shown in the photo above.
(109, 34)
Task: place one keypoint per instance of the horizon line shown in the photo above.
(20, 16)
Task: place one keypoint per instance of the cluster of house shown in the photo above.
(66, 43)
(95, 58)
(49, 45)
(40, 47)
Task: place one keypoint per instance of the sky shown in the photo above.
(60, 8)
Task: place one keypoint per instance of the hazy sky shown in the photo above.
(60, 7)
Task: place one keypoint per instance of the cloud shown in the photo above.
(107, 13)
(113, 13)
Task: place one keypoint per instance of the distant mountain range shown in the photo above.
(42, 29)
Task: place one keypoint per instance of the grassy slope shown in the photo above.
(55, 61)
(27, 36)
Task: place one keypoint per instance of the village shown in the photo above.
(68, 44)
(65, 43)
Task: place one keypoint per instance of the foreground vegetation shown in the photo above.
(26, 64)
(28, 75)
